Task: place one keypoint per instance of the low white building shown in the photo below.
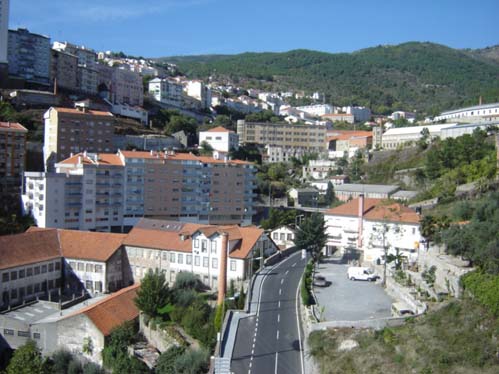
(318, 169)
(317, 110)
(402, 136)
(166, 91)
(220, 139)
(485, 112)
(283, 236)
(371, 225)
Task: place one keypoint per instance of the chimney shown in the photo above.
(222, 276)
(361, 218)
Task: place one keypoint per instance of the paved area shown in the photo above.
(346, 300)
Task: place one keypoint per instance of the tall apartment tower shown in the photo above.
(69, 131)
(4, 30)
(12, 161)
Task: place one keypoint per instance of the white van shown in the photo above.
(361, 273)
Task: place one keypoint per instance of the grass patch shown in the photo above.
(461, 337)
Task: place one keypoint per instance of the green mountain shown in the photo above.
(413, 76)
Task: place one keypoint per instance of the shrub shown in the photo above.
(306, 285)
(485, 288)
(190, 281)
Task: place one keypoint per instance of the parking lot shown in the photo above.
(346, 300)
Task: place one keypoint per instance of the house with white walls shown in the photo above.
(371, 225)
(220, 139)
(284, 236)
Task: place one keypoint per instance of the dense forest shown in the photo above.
(425, 77)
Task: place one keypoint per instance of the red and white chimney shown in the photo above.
(360, 216)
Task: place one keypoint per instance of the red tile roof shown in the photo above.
(12, 126)
(113, 311)
(393, 212)
(102, 159)
(28, 248)
(351, 208)
(87, 112)
(180, 157)
(347, 134)
(218, 129)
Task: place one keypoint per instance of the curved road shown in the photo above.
(270, 340)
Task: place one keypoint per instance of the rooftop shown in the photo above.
(351, 208)
(393, 212)
(366, 188)
(416, 129)
(218, 129)
(12, 126)
(86, 112)
(476, 107)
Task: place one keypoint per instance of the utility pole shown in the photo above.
(385, 250)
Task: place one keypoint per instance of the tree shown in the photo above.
(206, 149)
(311, 235)
(153, 293)
(330, 195)
(166, 361)
(425, 137)
(27, 359)
(189, 281)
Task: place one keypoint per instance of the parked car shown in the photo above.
(320, 281)
(361, 273)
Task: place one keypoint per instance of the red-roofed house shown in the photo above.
(173, 247)
(220, 139)
(365, 223)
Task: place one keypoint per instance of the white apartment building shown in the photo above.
(174, 247)
(485, 112)
(166, 91)
(365, 224)
(86, 56)
(127, 88)
(4, 30)
(220, 139)
(283, 236)
(404, 136)
(318, 169)
(199, 91)
(317, 110)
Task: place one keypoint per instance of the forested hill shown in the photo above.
(423, 76)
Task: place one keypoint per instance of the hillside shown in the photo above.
(413, 76)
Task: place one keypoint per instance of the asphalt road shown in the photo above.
(270, 341)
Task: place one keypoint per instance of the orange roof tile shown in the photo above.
(102, 159)
(28, 248)
(351, 208)
(219, 129)
(180, 157)
(393, 212)
(87, 112)
(250, 235)
(347, 134)
(113, 311)
(12, 126)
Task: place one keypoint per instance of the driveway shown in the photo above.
(346, 300)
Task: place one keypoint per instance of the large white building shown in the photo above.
(167, 91)
(317, 110)
(373, 226)
(4, 30)
(485, 112)
(220, 139)
(199, 91)
(403, 136)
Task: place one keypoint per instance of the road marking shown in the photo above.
(278, 318)
(298, 326)
(256, 325)
(286, 273)
(276, 358)
(250, 365)
(253, 346)
(293, 265)
(280, 291)
(282, 280)
(277, 336)
(279, 304)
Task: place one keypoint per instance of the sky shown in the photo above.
(155, 28)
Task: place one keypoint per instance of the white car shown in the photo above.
(361, 273)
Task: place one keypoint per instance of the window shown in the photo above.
(29, 272)
(196, 243)
(98, 286)
(89, 268)
(180, 259)
(21, 273)
(188, 259)
(165, 256)
(413, 230)
(89, 285)
(196, 260)
(72, 264)
(44, 269)
(57, 266)
(29, 290)
(275, 236)
(214, 263)
(13, 275)
(214, 247)
(283, 236)
(36, 335)
(51, 267)
(172, 258)
(205, 262)
(24, 334)
(81, 266)
(204, 245)
(172, 276)
(13, 293)
(5, 277)
(290, 236)
(232, 265)
(98, 268)
(37, 288)
(8, 332)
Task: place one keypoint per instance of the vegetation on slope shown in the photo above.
(423, 76)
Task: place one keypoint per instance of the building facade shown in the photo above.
(167, 91)
(220, 139)
(485, 112)
(283, 237)
(12, 162)
(70, 131)
(346, 191)
(127, 88)
(4, 30)
(107, 192)
(29, 56)
(64, 70)
(199, 91)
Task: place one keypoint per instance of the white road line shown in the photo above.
(279, 304)
(298, 326)
(277, 336)
(280, 291)
(250, 365)
(293, 265)
(252, 353)
(278, 318)
(286, 273)
(282, 280)
(276, 358)
(253, 346)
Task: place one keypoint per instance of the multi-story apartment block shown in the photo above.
(127, 87)
(167, 91)
(199, 91)
(283, 140)
(360, 113)
(107, 192)
(220, 139)
(86, 57)
(29, 56)
(174, 247)
(4, 30)
(30, 267)
(87, 79)
(64, 69)
(12, 161)
(70, 131)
